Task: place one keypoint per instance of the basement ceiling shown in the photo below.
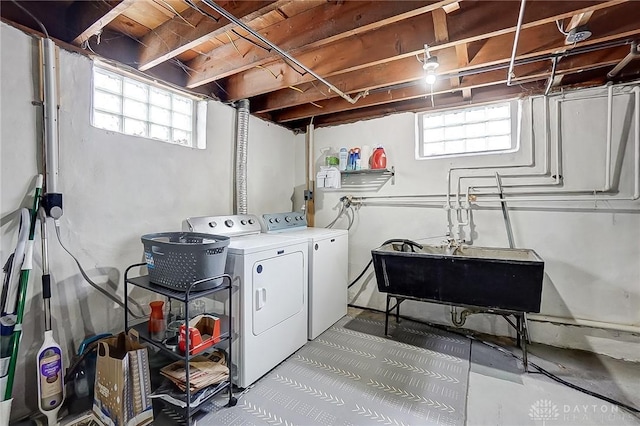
(371, 50)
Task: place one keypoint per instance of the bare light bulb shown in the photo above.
(430, 77)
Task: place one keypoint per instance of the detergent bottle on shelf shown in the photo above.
(379, 158)
(343, 157)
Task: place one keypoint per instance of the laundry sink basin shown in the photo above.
(501, 279)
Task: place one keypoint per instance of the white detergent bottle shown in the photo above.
(50, 378)
(343, 157)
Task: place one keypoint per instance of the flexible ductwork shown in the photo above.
(242, 141)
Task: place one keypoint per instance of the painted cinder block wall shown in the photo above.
(591, 249)
(116, 188)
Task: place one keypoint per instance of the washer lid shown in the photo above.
(311, 233)
(254, 243)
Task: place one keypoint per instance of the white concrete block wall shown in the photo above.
(592, 258)
(116, 188)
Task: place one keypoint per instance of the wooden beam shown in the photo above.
(442, 33)
(531, 72)
(374, 47)
(450, 8)
(578, 20)
(440, 26)
(447, 101)
(90, 17)
(176, 36)
(405, 70)
(302, 33)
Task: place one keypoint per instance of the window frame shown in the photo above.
(196, 140)
(515, 106)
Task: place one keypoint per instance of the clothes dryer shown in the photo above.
(269, 296)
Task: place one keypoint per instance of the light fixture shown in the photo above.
(430, 64)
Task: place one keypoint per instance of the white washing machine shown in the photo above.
(270, 293)
(328, 266)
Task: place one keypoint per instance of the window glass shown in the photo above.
(475, 129)
(139, 108)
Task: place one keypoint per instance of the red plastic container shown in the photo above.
(379, 159)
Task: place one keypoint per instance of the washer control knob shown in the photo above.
(288, 218)
(277, 220)
(212, 224)
(271, 220)
(244, 222)
(251, 221)
(229, 223)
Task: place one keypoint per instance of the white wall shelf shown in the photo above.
(367, 179)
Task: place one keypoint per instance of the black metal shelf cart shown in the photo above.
(184, 297)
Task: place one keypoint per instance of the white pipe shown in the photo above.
(636, 177)
(633, 54)
(607, 165)
(584, 323)
(532, 163)
(511, 74)
(51, 145)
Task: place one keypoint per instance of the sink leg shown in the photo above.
(386, 317)
(524, 344)
(398, 311)
(518, 330)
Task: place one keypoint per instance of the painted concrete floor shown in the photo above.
(500, 393)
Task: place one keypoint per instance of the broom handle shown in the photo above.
(22, 294)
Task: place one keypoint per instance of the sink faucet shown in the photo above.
(451, 245)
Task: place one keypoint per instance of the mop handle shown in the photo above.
(22, 294)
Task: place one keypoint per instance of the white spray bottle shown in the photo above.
(50, 370)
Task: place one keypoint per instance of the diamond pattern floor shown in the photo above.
(353, 375)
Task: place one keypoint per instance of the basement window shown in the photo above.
(475, 130)
(141, 108)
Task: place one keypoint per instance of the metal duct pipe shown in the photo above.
(282, 53)
(633, 54)
(242, 142)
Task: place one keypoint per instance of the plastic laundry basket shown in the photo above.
(177, 259)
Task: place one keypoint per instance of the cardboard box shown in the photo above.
(123, 385)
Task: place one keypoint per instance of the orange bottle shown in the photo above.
(157, 323)
(379, 158)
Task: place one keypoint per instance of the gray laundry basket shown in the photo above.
(177, 259)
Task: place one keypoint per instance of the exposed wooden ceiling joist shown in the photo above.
(89, 18)
(529, 72)
(359, 46)
(192, 28)
(392, 42)
(301, 33)
(493, 51)
(446, 101)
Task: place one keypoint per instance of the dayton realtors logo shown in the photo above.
(544, 410)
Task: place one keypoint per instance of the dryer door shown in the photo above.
(278, 290)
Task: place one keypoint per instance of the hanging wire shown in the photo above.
(40, 24)
(202, 11)
(95, 285)
(268, 49)
(561, 28)
(168, 5)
